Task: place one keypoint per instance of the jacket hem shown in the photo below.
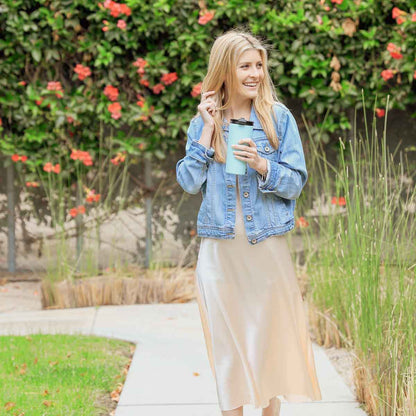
(228, 232)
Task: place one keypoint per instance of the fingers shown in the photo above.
(207, 93)
(248, 141)
(246, 152)
(208, 104)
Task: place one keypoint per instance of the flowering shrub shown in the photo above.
(71, 72)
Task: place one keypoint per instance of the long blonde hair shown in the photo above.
(222, 66)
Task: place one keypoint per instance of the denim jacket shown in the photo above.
(268, 203)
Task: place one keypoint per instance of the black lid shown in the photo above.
(242, 121)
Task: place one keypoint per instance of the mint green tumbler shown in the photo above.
(239, 129)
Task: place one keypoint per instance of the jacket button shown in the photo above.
(254, 241)
(267, 148)
(245, 194)
(249, 217)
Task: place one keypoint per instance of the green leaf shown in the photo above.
(36, 54)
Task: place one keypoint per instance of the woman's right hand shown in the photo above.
(207, 108)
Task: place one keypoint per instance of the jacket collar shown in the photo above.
(253, 117)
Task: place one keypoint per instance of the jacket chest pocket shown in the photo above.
(265, 149)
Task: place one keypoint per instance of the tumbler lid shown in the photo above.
(242, 121)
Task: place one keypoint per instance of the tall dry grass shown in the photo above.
(361, 260)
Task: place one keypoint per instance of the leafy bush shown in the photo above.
(124, 77)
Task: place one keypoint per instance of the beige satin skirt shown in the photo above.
(254, 321)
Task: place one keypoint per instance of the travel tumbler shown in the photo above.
(239, 129)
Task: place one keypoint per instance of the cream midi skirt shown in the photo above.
(254, 321)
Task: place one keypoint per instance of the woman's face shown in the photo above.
(249, 74)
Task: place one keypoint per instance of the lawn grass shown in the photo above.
(61, 374)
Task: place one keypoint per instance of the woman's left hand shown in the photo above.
(249, 154)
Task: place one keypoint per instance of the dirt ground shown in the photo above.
(22, 295)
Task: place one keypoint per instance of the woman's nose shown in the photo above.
(255, 73)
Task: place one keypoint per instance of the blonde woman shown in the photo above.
(249, 300)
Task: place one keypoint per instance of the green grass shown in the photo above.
(60, 374)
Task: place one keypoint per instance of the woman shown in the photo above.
(249, 299)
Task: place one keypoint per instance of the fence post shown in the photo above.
(148, 183)
(11, 231)
(79, 232)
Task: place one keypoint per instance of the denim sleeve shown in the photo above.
(191, 171)
(288, 176)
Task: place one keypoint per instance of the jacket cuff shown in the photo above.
(199, 152)
(263, 181)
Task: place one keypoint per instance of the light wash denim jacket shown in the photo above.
(268, 203)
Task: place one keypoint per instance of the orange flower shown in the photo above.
(125, 9)
(338, 201)
(380, 112)
(341, 201)
(55, 86)
(114, 107)
(387, 74)
(144, 82)
(196, 90)
(168, 79)
(80, 209)
(32, 184)
(111, 92)
(92, 196)
(115, 110)
(16, 158)
(158, 88)
(121, 157)
(205, 18)
(394, 51)
(301, 222)
(57, 168)
(22, 83)
(84, 157)
(396, 12)
(140, 63)
(73, 212)
(82, 71)
(48, 167)
(400, 20)
(337, 1)
(121, 24)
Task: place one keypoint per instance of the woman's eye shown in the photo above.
(245, 66)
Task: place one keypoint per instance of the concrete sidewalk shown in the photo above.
(170, 349)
